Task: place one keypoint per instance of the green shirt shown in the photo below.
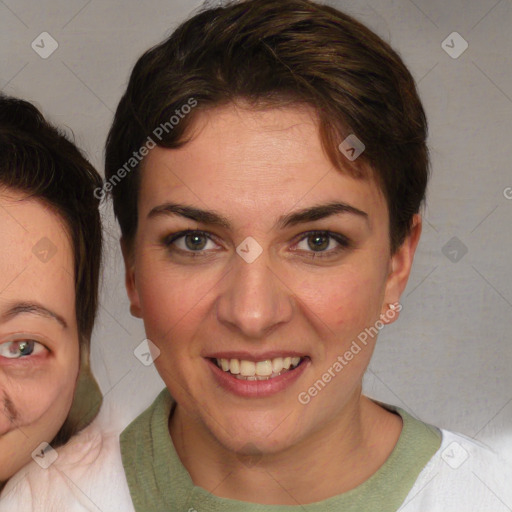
(158, 481)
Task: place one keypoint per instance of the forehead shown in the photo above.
(267, 159)
(36, 255)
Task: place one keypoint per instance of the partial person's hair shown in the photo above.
(39, 160)
(268, 53)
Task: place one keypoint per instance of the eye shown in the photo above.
(319, 242)
(190, 241)
(20, 348)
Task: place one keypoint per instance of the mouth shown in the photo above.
(267, 369)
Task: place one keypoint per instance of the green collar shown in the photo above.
(158, 481)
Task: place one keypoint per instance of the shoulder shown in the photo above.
(147, 433)
(85, 474)
(463, 475)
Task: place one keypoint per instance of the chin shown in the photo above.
(256, 433)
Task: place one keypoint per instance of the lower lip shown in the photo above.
(257, 388)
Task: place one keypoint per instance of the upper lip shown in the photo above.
(251, 356)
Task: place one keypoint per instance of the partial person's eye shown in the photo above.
(20, 348)
(319, 244)
(190, 241)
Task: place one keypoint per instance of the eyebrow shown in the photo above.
(34, 309)
(310, 214)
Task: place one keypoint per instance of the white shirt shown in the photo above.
(88, 475)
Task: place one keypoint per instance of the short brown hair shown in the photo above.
(40, 161)
(274, 53)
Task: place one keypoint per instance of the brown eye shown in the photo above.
(322, 244)
(195, 242)
(190, 241)
(318, 242)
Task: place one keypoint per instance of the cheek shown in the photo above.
(171, 300)
(37, 410)
(344, 301)
(43, 398)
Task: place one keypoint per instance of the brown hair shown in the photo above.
(269, 53)
(39, 161)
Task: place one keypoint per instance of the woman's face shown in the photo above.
(259, 278)
(39, 351)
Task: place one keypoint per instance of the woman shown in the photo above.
(49, 269)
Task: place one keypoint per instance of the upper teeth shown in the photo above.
(260, 368)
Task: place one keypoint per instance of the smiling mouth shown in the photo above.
(258, 370)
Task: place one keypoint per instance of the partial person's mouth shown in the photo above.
(267, 369)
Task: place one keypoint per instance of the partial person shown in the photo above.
(50, 253)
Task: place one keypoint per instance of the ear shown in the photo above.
(131, 289)
(400, 269)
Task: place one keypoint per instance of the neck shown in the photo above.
(334, 459)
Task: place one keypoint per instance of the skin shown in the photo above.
(36, 390)
(254, 167)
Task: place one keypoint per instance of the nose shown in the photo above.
(254, 300)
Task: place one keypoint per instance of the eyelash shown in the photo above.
(344, 243)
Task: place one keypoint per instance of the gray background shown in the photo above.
(447, 360)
